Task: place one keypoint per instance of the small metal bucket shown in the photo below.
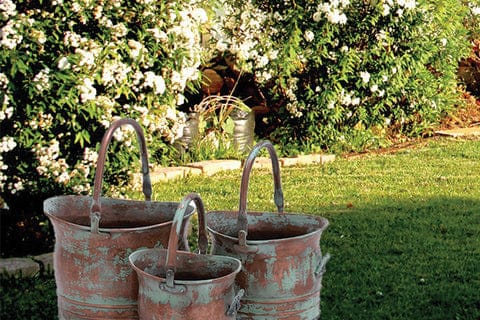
(282, 264)
(94, 237)
(184, 285)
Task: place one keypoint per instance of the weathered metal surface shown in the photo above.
(94, 237)
(282, 263)
(184, 285)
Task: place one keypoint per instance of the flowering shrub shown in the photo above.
(69, 68)
(344, 71)
(333, 72)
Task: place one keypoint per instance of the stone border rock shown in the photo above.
(36, 264)
(212, 167)
(460, 132)
(28, 266)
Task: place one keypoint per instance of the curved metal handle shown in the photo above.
(170, 264)
(242, 225)
(95, 210)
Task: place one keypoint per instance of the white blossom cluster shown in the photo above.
(475, 9)
(333, 11)
(10, 36)
(401, 6)
(105, 70)
(7, 9)
(246, 31)
(42, 80)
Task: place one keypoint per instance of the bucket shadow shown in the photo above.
(403, 260)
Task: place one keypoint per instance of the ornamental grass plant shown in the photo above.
(403, 234)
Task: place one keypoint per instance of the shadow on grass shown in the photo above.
(414, 259)
(418, 259)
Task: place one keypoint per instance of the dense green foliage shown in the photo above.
(335, 75)
(343, 73)
(70, 68)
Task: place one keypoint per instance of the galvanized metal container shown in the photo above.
(282, 263)
(184, 285)
(94, 237)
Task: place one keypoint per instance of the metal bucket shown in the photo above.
(282, 264)
(94, 237)
(184, 285)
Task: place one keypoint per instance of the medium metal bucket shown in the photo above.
(184, 285)
(282, 264)
(94, 237)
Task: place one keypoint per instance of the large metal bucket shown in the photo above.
(184, 285)
(94, 237)
(282, 264)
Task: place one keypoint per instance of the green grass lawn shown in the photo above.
(404, 230)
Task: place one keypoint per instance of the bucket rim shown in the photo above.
(325, 224)
(139, 252)
(114, 230)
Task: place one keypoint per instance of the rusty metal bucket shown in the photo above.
(184, 285)
(94, 237)
(282, 264)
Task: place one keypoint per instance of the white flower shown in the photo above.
(136, 48)
(365, 76)
(119, 30)
(155, 82)
(8, 8)
(355, 101)
(63, 63)
(87, 91)
(7, 144)
(200, 15)
(386, 9)
(475, 10)
(17, 186)
(336, 16)
(443, 41)
(374, 88)
(64, 178)
(42, 80)
(10, 38)
(221, 46)
(87, 58)
(309, 36)
(39, 36)
(158, 34)
(6, 114)
(72, 39)
(3, 81)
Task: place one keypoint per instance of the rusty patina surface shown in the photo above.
(282, 263)
(183, 285)
(94, 238)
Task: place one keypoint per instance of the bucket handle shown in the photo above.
(95, 210)
(242, 224)
(170, 264)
